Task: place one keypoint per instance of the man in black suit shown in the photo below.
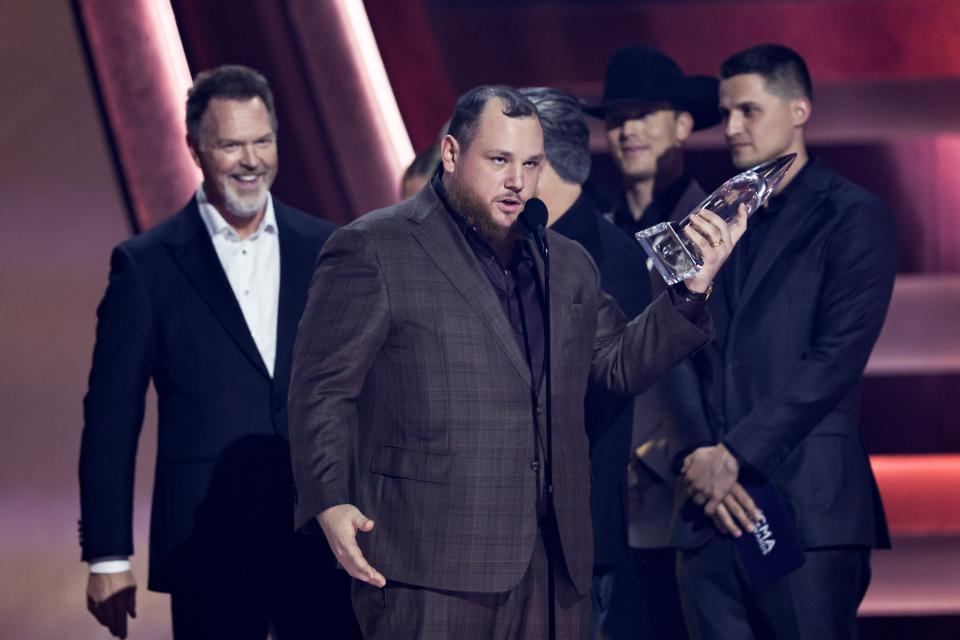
(206, 305)
(797, 313)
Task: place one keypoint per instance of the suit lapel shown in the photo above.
(193, 251)
(295, 273)
(446, 246)
(796, 212)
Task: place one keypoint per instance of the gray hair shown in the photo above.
(566, 137)
(465, 121)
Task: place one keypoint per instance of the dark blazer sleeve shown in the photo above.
(113, 410)
(344, 324)
(629, 357)
(855, 292)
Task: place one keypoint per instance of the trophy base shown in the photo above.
(674, 256)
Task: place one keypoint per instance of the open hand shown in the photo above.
(340, 524)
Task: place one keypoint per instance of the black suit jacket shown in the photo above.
(411, 398)
(222, 493)
(608, 417)
(781, 383)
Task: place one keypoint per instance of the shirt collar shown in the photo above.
(216, 224)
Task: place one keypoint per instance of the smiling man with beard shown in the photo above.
(417, 403)
(206, 306)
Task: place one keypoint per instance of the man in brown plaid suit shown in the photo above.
(417, 396)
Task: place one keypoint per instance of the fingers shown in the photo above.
(738, 226)
(736, 512)
(363, 523)
(737, 518)
(352, 560)
(112, 613)
(706, 230)
(738, 493)
(725, 523)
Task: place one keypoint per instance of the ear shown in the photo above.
(800, 109)
(684, 126)
(449, 153)
(193, 151)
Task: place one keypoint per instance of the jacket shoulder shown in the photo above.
(168, 230)
(303, 223)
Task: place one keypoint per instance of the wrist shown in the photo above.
(695, 292)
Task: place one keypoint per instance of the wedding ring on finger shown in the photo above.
(717, 243)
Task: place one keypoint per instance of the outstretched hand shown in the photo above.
(340, 524)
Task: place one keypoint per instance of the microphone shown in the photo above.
(534, 215)
(533, 219)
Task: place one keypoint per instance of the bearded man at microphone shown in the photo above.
(418, 398)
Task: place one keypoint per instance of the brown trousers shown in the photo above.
(406, 612)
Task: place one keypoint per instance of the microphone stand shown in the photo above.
(540, 236)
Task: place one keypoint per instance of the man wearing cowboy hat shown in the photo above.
(650, 109)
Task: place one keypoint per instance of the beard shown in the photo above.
(244, 205)
(477, 214)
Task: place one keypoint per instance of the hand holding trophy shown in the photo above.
(674, 255)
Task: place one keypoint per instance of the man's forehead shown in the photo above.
(744, 86)
(494, 126)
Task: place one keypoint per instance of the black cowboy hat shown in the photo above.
(641, 74)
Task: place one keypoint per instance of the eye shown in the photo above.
(531, 164)
(498, 160)
(724, 114)
(230, 146)
(750, 111)
(264, 143)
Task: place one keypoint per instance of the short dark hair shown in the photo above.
(466, 114)
(782, 68)
(566, 137)
(230, 82)
(425, 163)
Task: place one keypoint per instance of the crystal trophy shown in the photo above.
(674, 255)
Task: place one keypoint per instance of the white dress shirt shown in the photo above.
(252, 266)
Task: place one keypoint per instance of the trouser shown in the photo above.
(644, 602)
(818, 601)
(401, 611)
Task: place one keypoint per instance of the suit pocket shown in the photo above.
(398, 462)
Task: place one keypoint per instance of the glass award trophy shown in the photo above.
(674, 255)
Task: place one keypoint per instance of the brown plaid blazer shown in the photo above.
(410, 398)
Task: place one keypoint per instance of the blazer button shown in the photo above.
(538, 411)
(535, 465)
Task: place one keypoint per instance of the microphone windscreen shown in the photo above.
(534, 214)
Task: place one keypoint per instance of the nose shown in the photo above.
(631, 127)
(249, 157)
(733, 124)
(514, 179)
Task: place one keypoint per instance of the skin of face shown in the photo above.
(759, 124)
(639, 137)
(490, 180)
(237, 153)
